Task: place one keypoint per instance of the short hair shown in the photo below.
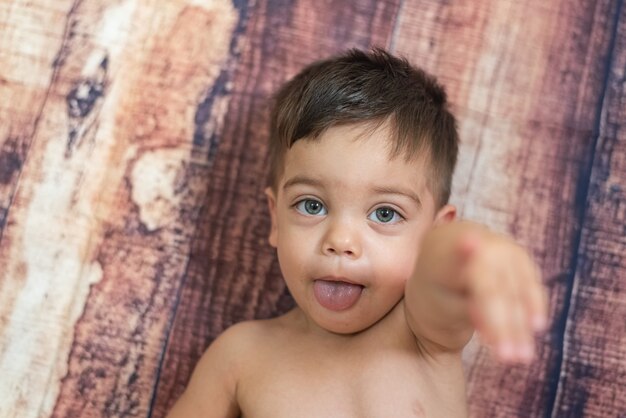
(374, 87)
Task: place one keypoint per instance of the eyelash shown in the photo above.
(395, 214)
(300, 206)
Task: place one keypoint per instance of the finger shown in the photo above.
(515, 339)
(496, 329)
(522, 334)
(534, 295)
(508, 335)
(508, 325)
(494, 293)
(523, 287)
(536, 298)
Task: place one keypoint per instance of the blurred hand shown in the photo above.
(507, 301)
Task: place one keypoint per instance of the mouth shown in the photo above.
(337, 293)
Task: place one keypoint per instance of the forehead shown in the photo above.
(351, 156)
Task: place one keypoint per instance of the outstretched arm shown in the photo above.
(469, 278)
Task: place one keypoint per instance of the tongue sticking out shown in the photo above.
(336, 296)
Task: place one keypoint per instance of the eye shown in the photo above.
(385, 215)
(311, 207)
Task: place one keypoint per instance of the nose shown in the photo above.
(342, 239)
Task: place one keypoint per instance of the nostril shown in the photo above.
(336, 251)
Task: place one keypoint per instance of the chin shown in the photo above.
(344, 326)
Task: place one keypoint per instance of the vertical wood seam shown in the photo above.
(168, 333)
(53, 76)
(564, 323)
(242, 8)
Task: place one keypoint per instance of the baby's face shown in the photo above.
(347, 222)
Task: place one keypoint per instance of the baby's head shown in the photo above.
(373, 89)
(362, 153)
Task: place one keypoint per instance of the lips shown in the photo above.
(336, 294)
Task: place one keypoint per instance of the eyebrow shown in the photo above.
(402, 192)
(302, 180)
(376, 189)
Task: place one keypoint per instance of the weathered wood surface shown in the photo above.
(594, 362)
(98, 230)
(231, 267)
(132, 163)
(528, 80)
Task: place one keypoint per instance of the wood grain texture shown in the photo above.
(147, 241)
(96, 236)
(30, 37)
(232, 273)
(527, 91)
(593, 364)
(133, 158)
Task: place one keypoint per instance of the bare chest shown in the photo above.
(374, 383)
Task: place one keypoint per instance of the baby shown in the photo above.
(389, 286)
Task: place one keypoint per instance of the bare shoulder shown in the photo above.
(238, 338)
(212, 389)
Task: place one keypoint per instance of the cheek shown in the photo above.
(395, 262)
(294, 247)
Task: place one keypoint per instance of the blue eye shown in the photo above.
(385, 215)
(311, 207)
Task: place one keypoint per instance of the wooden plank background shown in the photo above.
(133, 158)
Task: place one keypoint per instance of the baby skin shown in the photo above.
(389, 289)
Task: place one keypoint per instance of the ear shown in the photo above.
(271, 204)
(445, 215)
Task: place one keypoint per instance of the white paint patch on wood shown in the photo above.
(64, 201)
(92, 274)
(154, 181)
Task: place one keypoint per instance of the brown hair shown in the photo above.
(374, 87)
